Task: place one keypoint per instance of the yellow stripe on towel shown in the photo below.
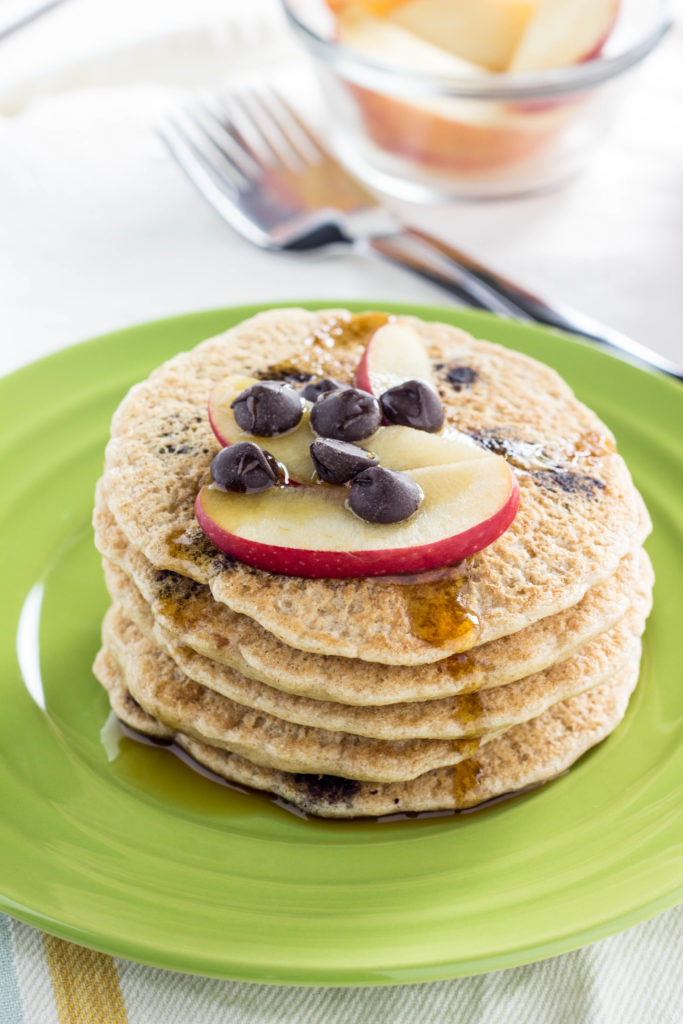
(85, 984)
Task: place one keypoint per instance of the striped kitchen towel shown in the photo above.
(631, 978)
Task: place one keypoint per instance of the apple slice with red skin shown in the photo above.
(308, 531)
(393, 355)
(564, 32)
(291, 449)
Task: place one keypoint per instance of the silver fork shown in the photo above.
(263, 170)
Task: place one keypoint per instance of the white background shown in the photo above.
(99, 230)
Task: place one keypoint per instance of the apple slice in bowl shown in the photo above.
(308, 531)
(291, 449)
(563, 32)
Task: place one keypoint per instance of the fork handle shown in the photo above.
(479, 286)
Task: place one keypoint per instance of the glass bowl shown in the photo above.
(424, 136)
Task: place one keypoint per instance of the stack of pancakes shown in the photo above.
(369, 696)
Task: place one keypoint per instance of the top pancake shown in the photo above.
(578, 511)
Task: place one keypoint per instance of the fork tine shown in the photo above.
(223, 110)
(241, 106)
(239, 151)
(194, 142)
(268, 123)
(220, 130)
(220, 192)
(312, 148)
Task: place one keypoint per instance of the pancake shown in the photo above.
(469, 715)
(578, 517)
(166, 693)
(525, 756)
(187, 611)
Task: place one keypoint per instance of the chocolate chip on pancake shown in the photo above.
(460, 377)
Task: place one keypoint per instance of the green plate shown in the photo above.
(142, 857)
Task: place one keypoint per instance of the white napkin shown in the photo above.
(84, 44)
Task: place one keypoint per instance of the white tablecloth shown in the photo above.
(98, 230)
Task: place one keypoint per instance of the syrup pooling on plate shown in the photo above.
(169, 774)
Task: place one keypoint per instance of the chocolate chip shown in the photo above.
(348, 414)
(461, 377)
(326, 790)
(337, 462)
(314, 389)
(381, 495)
(568, 481)
(286, 372)
(413, 404)
(267, 409)
(244, 467)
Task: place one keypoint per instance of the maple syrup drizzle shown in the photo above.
(591, 445)
(470, 707)
(466, 777)
(328, 350)
(337, 333)
(176, 616)
(178, 543)
(437, 614)
(189, 548)
(466, 746)
(457, 665)
(435, 610)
